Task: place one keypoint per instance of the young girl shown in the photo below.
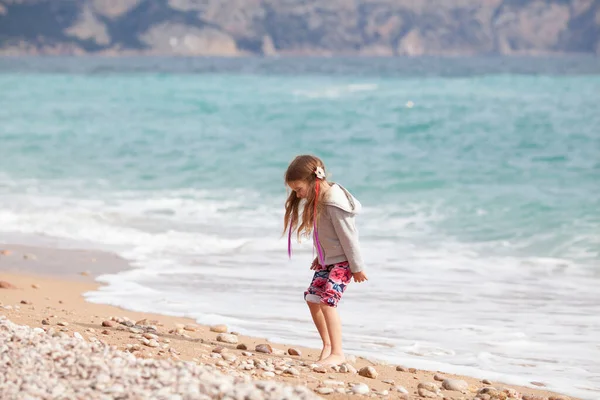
(328, 212)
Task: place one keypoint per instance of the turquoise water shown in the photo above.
(481, 197)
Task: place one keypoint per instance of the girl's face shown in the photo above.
(300, 187)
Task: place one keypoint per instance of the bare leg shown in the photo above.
(319, 320)
(334, 328)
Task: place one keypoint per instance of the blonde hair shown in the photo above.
(302, 168)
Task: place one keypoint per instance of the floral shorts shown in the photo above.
(328, 284)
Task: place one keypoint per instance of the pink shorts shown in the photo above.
(328, 284)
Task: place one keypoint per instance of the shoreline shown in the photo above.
(59, 297)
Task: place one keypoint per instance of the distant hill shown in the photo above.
(300, 27)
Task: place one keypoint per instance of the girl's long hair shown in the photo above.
(302, 168)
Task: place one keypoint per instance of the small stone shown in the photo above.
(218, 349)
(228, 357)
(106, 332)
(247, 354)
(514, 394)
(533, 397)
(294, 352)
(401, 368)
(35, 286)
(368, 372)
(291, 371)
(242, 346)
(320, 369)
(427, 389)
(150, 336)
(142, 322)
(457, 385)
(438, 377)
(7, 285)
(227, 338)
(85, 273)
(324, 390)
(268, 374)
(538, 384)
(190, 328)
(486, 382)
(264, 348)
(62, 323)
(401, 389)
(383, 393)
(108, 324)
(360, 388)
(388, 381)
(152, 343)
(78, 335)
(45, 322)
(412, 370)
(219, 328)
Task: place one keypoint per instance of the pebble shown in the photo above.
(108, 324)
(190, 328)
(150, 336)
(228, 357)
(269, 374)
(291, 371)
(247, 354)
(427, 389)
(412, 370)
(347, 368)
(360, 388)
(319, 368)
(26, 302)
(438, 377)
(324, 390)
(69, 369)
(538, 384)
(388, 381)
(45, 322)
(401, 368)
(457, 385)
(294, 352)
(486, 382)
(35, 286)
(368, 372)
(7, 285)
(242, 346)
(401, 389)
(263, 348)
(219, 328)
(227, 338)
(62, 323)
(218, 349)
(533, 397)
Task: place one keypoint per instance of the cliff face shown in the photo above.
(237, 27)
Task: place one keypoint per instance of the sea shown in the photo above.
(479, 178)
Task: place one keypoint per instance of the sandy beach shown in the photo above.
(44, 288)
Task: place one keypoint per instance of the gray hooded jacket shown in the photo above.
(337, 230)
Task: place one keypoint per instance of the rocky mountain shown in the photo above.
(301, 27)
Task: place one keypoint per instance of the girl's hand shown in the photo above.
(359, 277)
(315, 264)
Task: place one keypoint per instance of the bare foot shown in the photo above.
(333, 359)
(326, 352)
